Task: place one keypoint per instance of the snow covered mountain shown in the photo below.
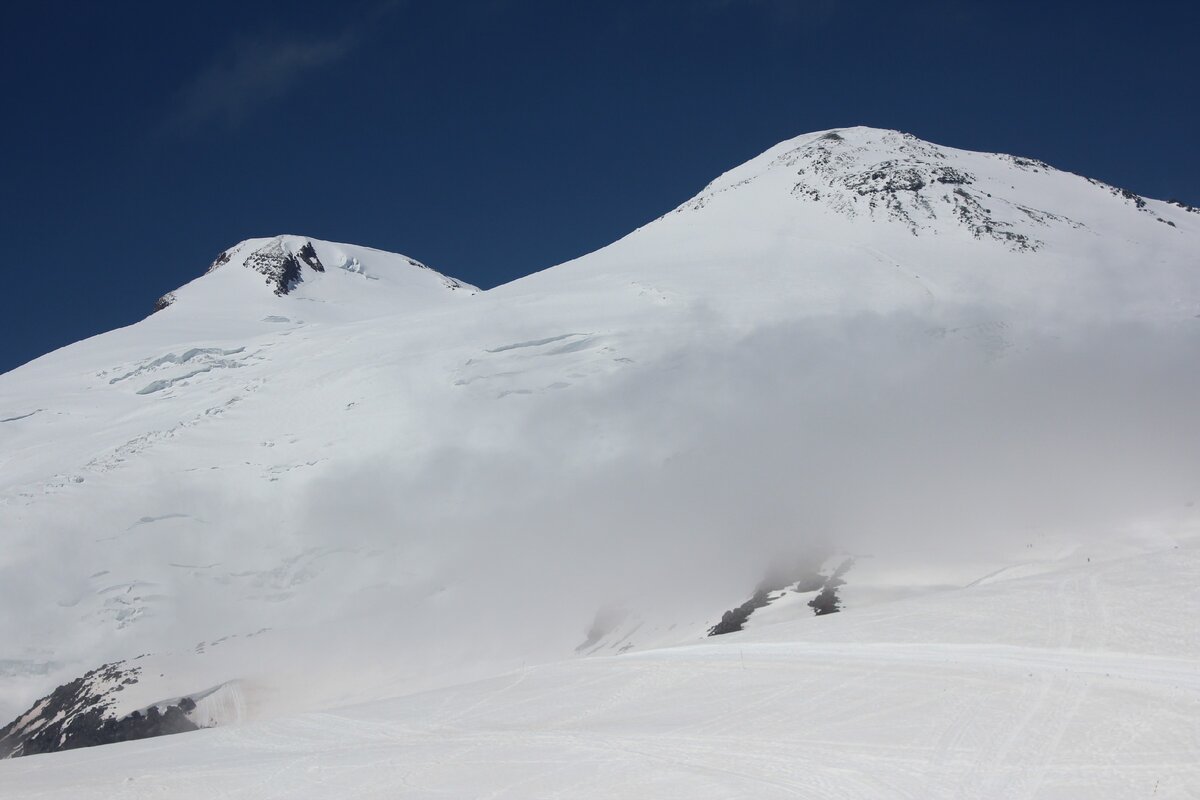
(948, 387)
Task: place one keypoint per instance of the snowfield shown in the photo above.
(381, 533)
(1049, 686)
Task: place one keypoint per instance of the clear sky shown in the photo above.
(493, 138)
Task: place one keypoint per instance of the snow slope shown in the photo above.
(1018, 692)
(294, 489)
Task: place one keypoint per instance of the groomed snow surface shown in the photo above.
(1070, 684)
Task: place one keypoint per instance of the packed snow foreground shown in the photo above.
(869, 472)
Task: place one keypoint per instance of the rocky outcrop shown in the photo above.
(280, 262)
(282, 267)
(896, 177)
(164, 301)
(827, 600)
(800, 577)
(79, 714)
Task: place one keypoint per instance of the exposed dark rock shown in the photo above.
(164, 301)
(281, 267)
(1029, 163)
(221, 259)
(887, 178)
(77, 714)
(811, 583)
(781, 576)
(308, 255)
(980, 222)
(827, 601)
(952, 176)
(735, 618)
(907, 188)
(1137, 200)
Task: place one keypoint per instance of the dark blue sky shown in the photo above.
(492, 138)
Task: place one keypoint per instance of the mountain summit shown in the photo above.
(316, 270)
(895, 177)
(877, 221)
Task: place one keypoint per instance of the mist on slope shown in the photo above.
(670, 489)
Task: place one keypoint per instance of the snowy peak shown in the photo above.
(258, 270)
(282, 260)
(893, 177)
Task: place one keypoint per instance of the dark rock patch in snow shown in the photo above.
(1138, 201)
(283, 269)
(221, 260)
(1033, 164)
(895, 177)
(735, 618)
(799, 576)
(78, 714)
(308, 255)
(908, 188)
(978, 219)
(162, 302)
(827, 601)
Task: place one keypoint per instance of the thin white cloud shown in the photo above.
(251, 74)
